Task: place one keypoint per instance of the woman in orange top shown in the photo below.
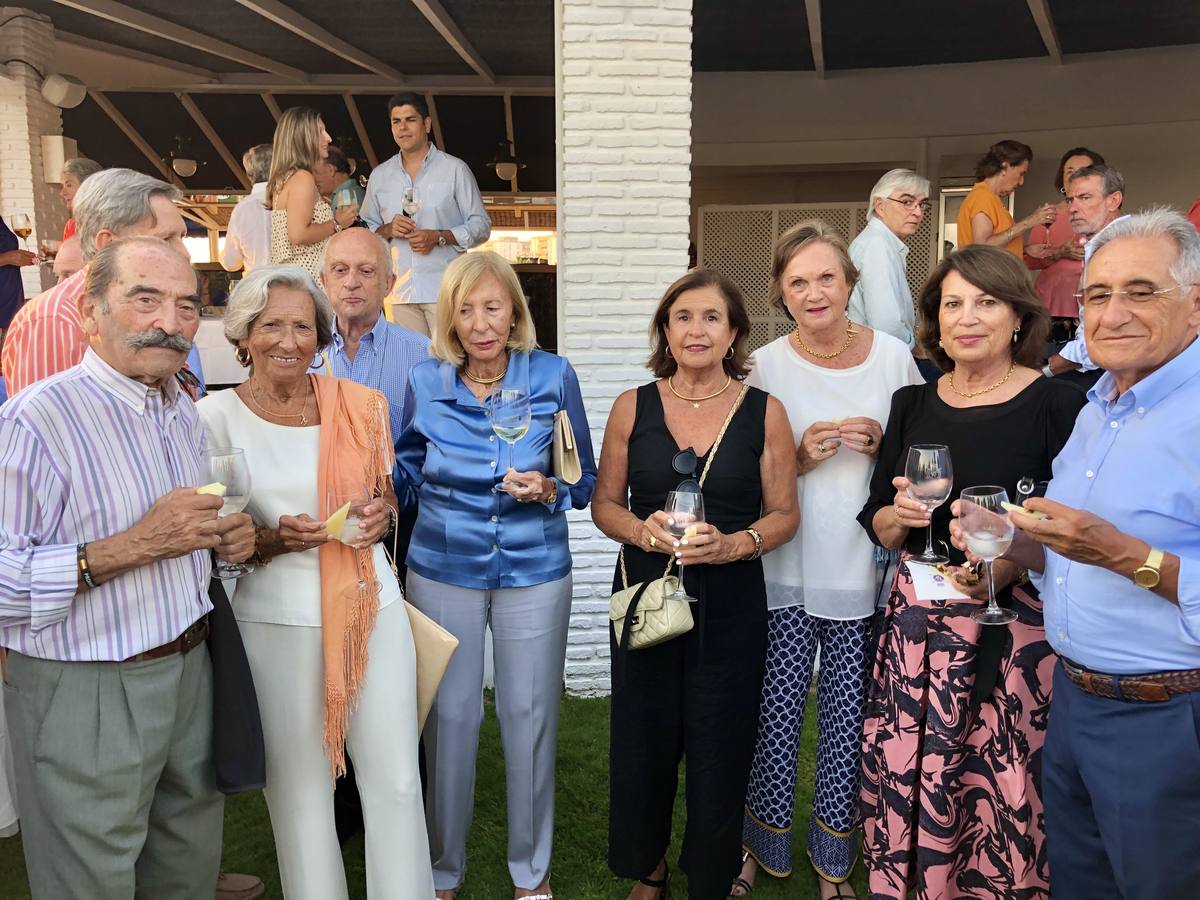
(984, 218)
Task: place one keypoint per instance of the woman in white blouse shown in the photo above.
(835, 379)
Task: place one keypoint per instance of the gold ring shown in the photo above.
(653, 541)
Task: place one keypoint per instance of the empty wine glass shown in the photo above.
(685, 510)
(931, 479)
(988, 531)
(227, 465)
(509, 411)
(22, 228)
(342, 198)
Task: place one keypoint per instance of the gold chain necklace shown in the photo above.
(478, 380)
(851, 331)
(300, 415)
(696, 401)
(970, 394)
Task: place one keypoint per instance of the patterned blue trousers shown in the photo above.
(793, 639)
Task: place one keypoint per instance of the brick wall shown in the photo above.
(624, 89)
(24, 117)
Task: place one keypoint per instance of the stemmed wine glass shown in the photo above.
(685, 510)
(22, 228)
(510, 414)
(228, 466)
(411, 205)
(930, 480)
(988, 530)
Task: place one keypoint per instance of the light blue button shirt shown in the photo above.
(450, 201)
(882, 299)
(467, 534)
(1133, 460)
(386, 354)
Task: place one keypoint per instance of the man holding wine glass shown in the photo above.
(1115, 549)
(426, 203)
(106, 564)
(949, 691)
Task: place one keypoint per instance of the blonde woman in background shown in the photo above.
(301, 219)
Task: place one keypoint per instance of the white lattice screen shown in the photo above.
(738, 241)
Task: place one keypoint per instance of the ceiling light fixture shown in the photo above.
(505, 162)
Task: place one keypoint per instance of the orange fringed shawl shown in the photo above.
(355, 453)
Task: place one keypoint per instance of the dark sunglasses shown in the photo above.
(685, 463)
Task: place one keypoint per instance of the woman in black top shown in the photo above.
(697, 695)
(956, 717)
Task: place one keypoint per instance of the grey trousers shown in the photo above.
(529, 639)
(114, 777)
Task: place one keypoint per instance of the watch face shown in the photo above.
(1147, 578)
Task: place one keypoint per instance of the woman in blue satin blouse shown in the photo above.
(483, 556)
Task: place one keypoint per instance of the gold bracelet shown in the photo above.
(758, 543)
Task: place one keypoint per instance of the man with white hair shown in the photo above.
(1117, 562)
(248, 238)
(105, 563)
(882, 299)
(46, 335)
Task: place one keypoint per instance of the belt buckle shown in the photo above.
(193, 635)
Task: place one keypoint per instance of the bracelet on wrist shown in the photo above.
(85, 570)
(258, 558)
(758, 543)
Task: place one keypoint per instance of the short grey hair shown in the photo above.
(382, 248)
(1158, 221)
(906, 181)
(81, 168)
(114, 200)
(249, 298)
(257, 163)
(105, 266)
(1111, 180)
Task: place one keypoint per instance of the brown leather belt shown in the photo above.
(1154, 687)
(194, 635)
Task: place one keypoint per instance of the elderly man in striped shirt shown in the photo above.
(104, 570)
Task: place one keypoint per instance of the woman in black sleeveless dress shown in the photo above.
(695, 696)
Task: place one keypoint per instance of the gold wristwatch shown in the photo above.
(1147, 574)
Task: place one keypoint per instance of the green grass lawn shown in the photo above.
(580, 872)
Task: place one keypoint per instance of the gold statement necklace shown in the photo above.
(478, 380)
(302, 416)
(696, 401)
(851, 331)
(970, 394)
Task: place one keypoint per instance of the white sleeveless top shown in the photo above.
(829, 566)
(283, 482)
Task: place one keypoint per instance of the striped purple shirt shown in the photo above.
(83, 456)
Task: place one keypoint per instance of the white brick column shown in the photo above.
(24, 117)
(623, 76)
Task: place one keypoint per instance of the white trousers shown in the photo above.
(382, 740)
(529, 636)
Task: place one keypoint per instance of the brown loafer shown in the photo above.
(231, 886)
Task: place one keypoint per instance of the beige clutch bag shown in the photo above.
(565, 452)
(434, 646)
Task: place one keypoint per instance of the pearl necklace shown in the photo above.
(969, 394)
(696, 401)
(851, 331)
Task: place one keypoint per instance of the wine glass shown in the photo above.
(988, 530)
(22, 228)
(227, 465)
(342, 198)
(411, 205)
(509, 411)
(685, 510)
(349, 530)
(931, 479)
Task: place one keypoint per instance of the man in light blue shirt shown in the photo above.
(1119, 564)
(881, 298)
(426, 203)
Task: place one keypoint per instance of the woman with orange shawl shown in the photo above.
(321, 615)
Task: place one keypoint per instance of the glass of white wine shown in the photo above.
(22, 228)
(355, 501)
(227, 465)
(931, 479)
(685, 510)
(988, 530)
(411, 205)
(510, 414)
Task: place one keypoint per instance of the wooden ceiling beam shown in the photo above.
(129, 17)
(87, 43)
(136, 137)
(361, 130)
(253, 83)
(812, 9)
(1044, 19)
(272, 105)
(215, 139)
(448, 29)
(286, 17)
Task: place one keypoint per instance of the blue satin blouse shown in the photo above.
(449, 459)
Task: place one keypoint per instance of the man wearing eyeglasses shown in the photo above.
(1094, 197)
(881, 298)
(1118, 567)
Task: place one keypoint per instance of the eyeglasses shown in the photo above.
(910, 204)
(1100, 296)
(685, 462)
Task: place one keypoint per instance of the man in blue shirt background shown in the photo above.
(1119, 564)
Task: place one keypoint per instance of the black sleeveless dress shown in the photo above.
(696, 696)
